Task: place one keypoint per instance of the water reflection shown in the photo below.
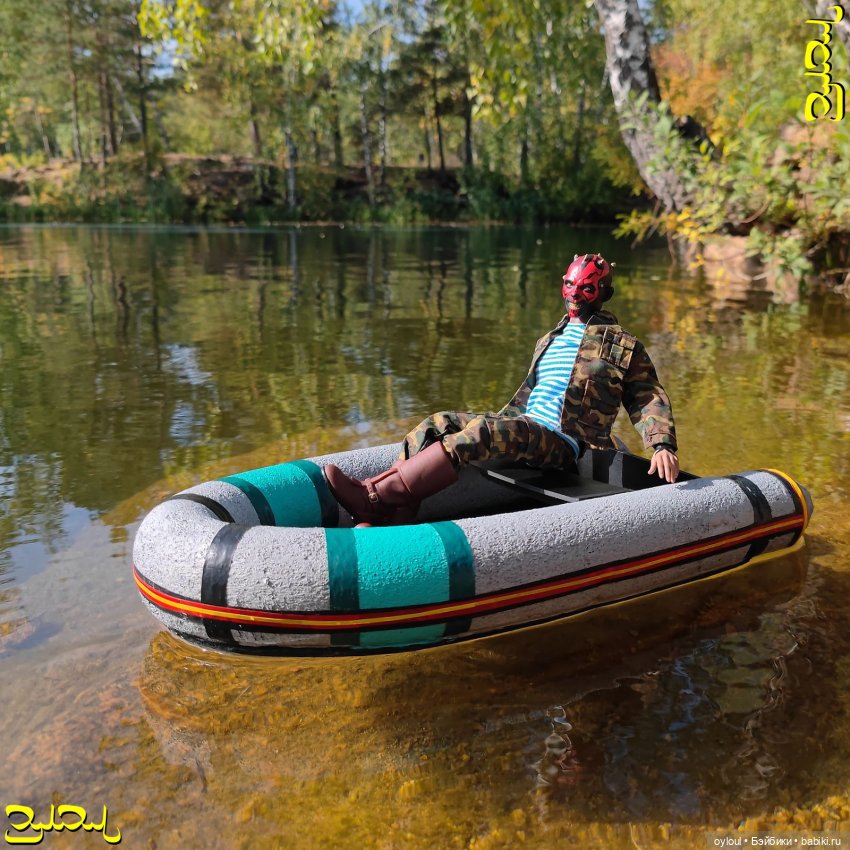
(551, 723)
(135, 362)
(128, 352)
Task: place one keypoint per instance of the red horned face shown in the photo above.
(585, 283)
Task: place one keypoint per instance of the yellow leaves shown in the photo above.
(181, 20)
(685, 224)
(491, 840)
(282, 31)
(689, 85)
(410, 789)
(644, 223)
(519, 817)
(152, 18)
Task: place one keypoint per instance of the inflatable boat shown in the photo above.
(266, 562)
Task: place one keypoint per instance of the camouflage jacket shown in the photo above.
(612, 368)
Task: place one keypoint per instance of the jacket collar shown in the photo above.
(600, 317)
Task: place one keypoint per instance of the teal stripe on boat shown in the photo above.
(342, 569)
(289, 490)
(398, 567)
(401, 566)
(461, 572)
(403, 637)
(327, 503)
(460, 559)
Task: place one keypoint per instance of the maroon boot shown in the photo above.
(392, 497)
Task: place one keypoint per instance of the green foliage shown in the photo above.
(199, 124)
(76, 79)
(786, 190)
(416, 110)
(781, 183)
(478, 85)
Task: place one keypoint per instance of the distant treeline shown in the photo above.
(421, 109)
(402, 110)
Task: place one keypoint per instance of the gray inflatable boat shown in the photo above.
(266, 562)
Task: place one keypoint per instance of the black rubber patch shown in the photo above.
(799, 508)
(761, 507)
(217, 508)
(215, 576)
(761, 511)
(616, 470)
(255, 497)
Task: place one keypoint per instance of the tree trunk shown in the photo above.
(143, 90)
(104, 133)
(317, 146)
(161, 129)
(125, 103)
(468, 160)
(109, 136)
(534, 132)
(631, 75)
(524, 176)
(110, 114)
(254, 128)
(426, 130)
(75, 94)
(366, 135)
(45, 139)
(439, 123)
(339, 160)
(382, 132)
(579, 127)
(291, 175)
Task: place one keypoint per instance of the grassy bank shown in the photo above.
(187, 189)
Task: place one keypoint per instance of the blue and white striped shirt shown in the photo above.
(553, 375)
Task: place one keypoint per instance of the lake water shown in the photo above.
(135, 362)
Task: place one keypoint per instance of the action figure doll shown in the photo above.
(581, 372)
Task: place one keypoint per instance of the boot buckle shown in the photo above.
(372, 493)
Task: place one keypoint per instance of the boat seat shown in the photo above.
(596, 473)
(552, 485)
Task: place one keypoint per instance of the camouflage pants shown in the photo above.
(484, 436)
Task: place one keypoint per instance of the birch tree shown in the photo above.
(637, 97)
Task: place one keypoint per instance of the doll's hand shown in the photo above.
(666, 464)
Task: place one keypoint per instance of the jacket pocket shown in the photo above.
(600, 404)
(617, 348)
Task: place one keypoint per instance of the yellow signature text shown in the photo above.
(817, 58)
(65, 817)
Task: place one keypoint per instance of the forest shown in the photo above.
(689, 120)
